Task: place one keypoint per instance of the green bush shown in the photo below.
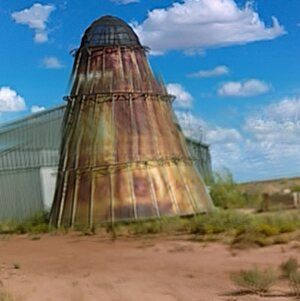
(295, 188)
(5, 296)
(249, 237)
(289, 267)
(295, 283)
(165, 225)
(147, 227)
(225, 192)
(284, 223)
(246, 229)
(254, 280)
(34, 225)
(263, 230)
(218, 221)
(266, 229)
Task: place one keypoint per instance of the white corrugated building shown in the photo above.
(29, 155)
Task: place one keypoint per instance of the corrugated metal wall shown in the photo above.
(21, 194)
(26, 148)
(31, 142)
(201, 157)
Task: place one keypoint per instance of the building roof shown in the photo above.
(31, 119)
(109, 31)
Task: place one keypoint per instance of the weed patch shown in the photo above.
(295, 283)
(289, 267)
(254, 280)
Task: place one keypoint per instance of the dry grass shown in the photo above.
(295, 283)
(289, 267)
(5, 296)
(240, 230)
(254, 280)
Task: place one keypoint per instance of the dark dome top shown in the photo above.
(109, 31)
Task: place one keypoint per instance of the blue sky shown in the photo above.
(234, 66)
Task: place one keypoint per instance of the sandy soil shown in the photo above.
(78, 268)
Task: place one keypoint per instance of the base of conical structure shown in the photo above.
(133, 163)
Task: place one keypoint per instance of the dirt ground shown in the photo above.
(86, 268)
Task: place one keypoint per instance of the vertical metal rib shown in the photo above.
(190, 197)
(153, 194)
(136, 70)
(130, 176)
(153, 128)
(91, 213)
(121, 65)
(103, 67)
(182, 140)
(88, 66)
(75, 198)
(112, 196)
(63, 198)
(114, 127)
(91, 163)
(134, 131)
(170, 189)
(67, 136)
(77, 176)
(75, 72)
(81, 77)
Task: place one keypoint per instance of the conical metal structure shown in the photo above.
(123, 154)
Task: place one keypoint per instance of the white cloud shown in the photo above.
(245, 88)
(36, 17)
(36, 109)
(182, 97)
(195, 25)
(10, 101)
(270, 144)
(286, 109)
(51, 62)
(222, 135)
(266, 145)
(277, 123)
(217, 71)
(224, 142)
(192, 126)
(125, 1)
(196, 128)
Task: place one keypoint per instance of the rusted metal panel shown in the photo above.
(123, 156)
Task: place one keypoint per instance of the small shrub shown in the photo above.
(295, 283)
(283, 223)
(5, 296)
(147, 227)
(218, 221)
(281, 240)
(295, 188)
(225, 192)
(254, 280)
(208, 224)
(267, 229)
(250, 238)
(16, 266)
(34, 225)
(289, 267)
(112, 229)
